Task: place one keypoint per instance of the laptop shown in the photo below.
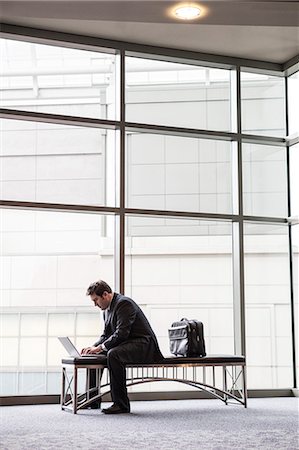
(71, 349)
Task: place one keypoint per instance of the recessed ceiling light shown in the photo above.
(187, 12)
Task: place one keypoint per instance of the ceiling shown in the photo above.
(265, 30)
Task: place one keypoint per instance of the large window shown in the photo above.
(142, 169)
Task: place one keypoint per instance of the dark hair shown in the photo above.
(98, 288)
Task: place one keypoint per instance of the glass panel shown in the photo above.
(294, 179)
(263, 104)
(57, 163)
(293, 103)
(182, 268)
(264, 180)
(58, 80)
(178, 173)
(268, 312)
(50, 258)
(182, 95)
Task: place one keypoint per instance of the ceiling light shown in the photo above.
(187, 12)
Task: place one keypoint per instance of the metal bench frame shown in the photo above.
(224, 380)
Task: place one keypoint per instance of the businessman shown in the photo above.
(127, 339)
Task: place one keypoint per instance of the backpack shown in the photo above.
(186, 338)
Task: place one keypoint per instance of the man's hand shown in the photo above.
(92, 350)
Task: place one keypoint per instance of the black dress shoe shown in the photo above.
(115, 409)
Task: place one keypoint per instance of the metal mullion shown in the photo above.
(265, 219)
(91, 209)
(19, 354)
(59, 119)
(47, 348)
(186, 214)
(57, 207)
(180, 131)
(286, 93)
(122, 182)
(204, 134)
(238, 239)
(263, 140)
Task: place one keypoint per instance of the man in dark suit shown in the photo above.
(127, 339)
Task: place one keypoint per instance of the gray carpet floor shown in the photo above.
(267, 424)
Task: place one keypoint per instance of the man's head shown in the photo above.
(100, 293)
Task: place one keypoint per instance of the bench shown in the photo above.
(222, 376)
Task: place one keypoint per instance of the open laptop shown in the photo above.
(71, 349)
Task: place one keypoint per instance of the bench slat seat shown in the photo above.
(209, 359)
(169, 360)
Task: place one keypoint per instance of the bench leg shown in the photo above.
(75, 399)
(62, 399)
(244, 386)
(87, 385)
(225, 383)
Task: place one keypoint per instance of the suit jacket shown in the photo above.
(126, 323)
